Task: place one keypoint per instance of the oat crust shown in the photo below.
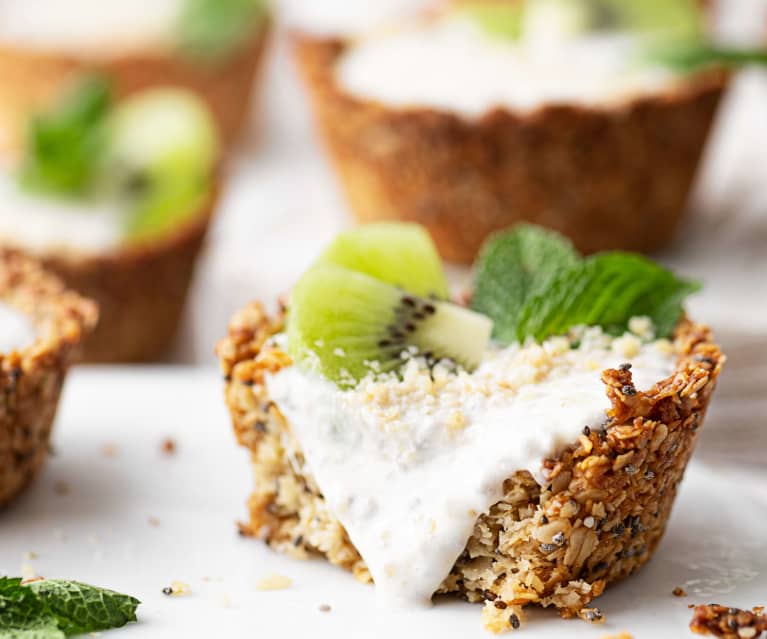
(598, 519)
(31, 378)
(610, 178)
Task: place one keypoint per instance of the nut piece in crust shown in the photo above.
(626, 169)
(32, 377)
(653, 433)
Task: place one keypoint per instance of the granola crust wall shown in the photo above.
(31, 378)
(598, 519)
(613, 178)
(31, 79)
(141, 291)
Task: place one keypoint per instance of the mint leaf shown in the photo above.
(514, 266)
(80, 608)
(606, 290)
(692, 56)
(65, 145)
(215, 28)
(23, 615)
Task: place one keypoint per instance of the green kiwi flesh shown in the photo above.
(346, 325)
(398, 253)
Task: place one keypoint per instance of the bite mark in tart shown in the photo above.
(530, 470)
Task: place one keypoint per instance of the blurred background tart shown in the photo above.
(211, 47)
(115, 198)
(42, 325)
(558, 112)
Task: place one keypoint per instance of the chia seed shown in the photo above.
(558, 539)
(501, 605)
(629, 390)
(514, 621)
(548, 547)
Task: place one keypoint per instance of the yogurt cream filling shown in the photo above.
(95, 26)
(45, 225)
(453, 65)
(16, 329)
(407, 464)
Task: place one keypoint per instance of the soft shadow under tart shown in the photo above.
(599, 518)
(31, 378)
(609, 178)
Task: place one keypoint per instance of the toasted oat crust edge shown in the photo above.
(599, 518)
(141, 290)
(31, 79)
(31, 378)
(609, 178)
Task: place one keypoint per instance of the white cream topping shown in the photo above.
(88, 26)
(45, 225)
(453, 65)
(16, 329)
(407, 465)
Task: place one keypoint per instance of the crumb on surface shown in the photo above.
(325, 608)
(61, 487)
(169, 446)
(592, 615)
(679, 592)
(30, 555)
(177, 589)
(274, 582)
(109, 450)
(620, 635)
(153, 521)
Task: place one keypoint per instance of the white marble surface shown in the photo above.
(110, 466)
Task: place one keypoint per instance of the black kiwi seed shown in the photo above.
(430, 309)
(408, 301)
(384, 343)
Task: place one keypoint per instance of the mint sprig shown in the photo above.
(513, 267)
(686, 57)
(55, 609)
(532, 284)
(216, 28)
(66, 145)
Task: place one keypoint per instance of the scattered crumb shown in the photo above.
(109, 450)
(169, 446)
(727, 623)
(30, 556)
(154, 522)
(274, 582)
(592, 615)
(28, 571)
(325, 608)
(61, 487)
(177, 589)
(621, 635)
(679, 592)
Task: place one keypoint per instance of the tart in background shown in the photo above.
(115, 198)
(213, 48)
(43, 325)
(431, 122)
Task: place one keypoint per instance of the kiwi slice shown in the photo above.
(346, 324)
(395, 252)
(163, 152)
(672, 18)
(498, 18)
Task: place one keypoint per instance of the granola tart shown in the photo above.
(627, 167)
(597, 520)
(141, 291)
(32, 376)
(32, 77)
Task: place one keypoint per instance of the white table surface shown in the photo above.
(108, 444)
